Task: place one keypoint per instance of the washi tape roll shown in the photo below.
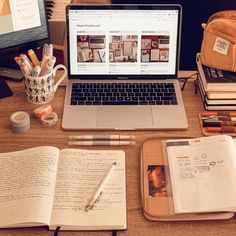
(43, 110)
(49, 120)
(20, 121)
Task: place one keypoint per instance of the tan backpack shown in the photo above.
(219, 41)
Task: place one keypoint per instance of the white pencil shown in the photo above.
(100, 188)
(102, 137)
(102, 143)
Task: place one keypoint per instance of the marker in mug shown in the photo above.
(18, 60)
(52, 61)
(26, 61)
(44, 48)
(25, 69)
(22, 65)
(44, 62)
(33, 57)
(48, 50)
(48, 66)
(36, 71)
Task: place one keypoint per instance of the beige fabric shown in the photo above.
(219, 41)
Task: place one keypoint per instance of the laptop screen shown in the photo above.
(116, 41)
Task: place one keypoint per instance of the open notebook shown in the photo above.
(46, 186)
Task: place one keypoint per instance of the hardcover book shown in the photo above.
(215, 104)
(214, 79)
(216, 95)
(51, 187)
(221, 94)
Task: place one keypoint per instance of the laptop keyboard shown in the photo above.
(123, 94)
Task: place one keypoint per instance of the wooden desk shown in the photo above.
(137, 224)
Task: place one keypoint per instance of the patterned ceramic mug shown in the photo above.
(41, 89)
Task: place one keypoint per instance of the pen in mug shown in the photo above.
(25, 69)
(51, 61)
(18, 60)
(33, 57)
(26, 61)
(48, 50)
(92, 201)
(48, 66)
(36, 71)
(44, 62)
(103, 137)
(44, 49)
(102, 143)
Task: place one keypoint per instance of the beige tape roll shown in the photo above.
(49, 120)
(43, 110)
(20, 121)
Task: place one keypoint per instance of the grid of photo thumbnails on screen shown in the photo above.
(102, 41)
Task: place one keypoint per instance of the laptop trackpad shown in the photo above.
(125, 117)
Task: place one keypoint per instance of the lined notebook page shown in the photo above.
(79, 174)
(27, 182)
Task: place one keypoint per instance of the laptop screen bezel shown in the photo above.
(125, 7)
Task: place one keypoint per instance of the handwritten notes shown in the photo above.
(79, 174)
(27, 180)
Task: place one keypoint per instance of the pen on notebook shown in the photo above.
(97, 194)
(108, 137)
(217, 123)
(222, 129)
(101, 143)
(218, 113)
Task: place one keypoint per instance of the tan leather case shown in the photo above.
(158, 208)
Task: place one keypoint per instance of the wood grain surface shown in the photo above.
(138, 225)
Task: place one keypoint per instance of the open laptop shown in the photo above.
(122, 68)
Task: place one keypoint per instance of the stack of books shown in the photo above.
(217, 87)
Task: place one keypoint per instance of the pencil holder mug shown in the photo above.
(41, 89)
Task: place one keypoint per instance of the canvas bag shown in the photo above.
(218, 48)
